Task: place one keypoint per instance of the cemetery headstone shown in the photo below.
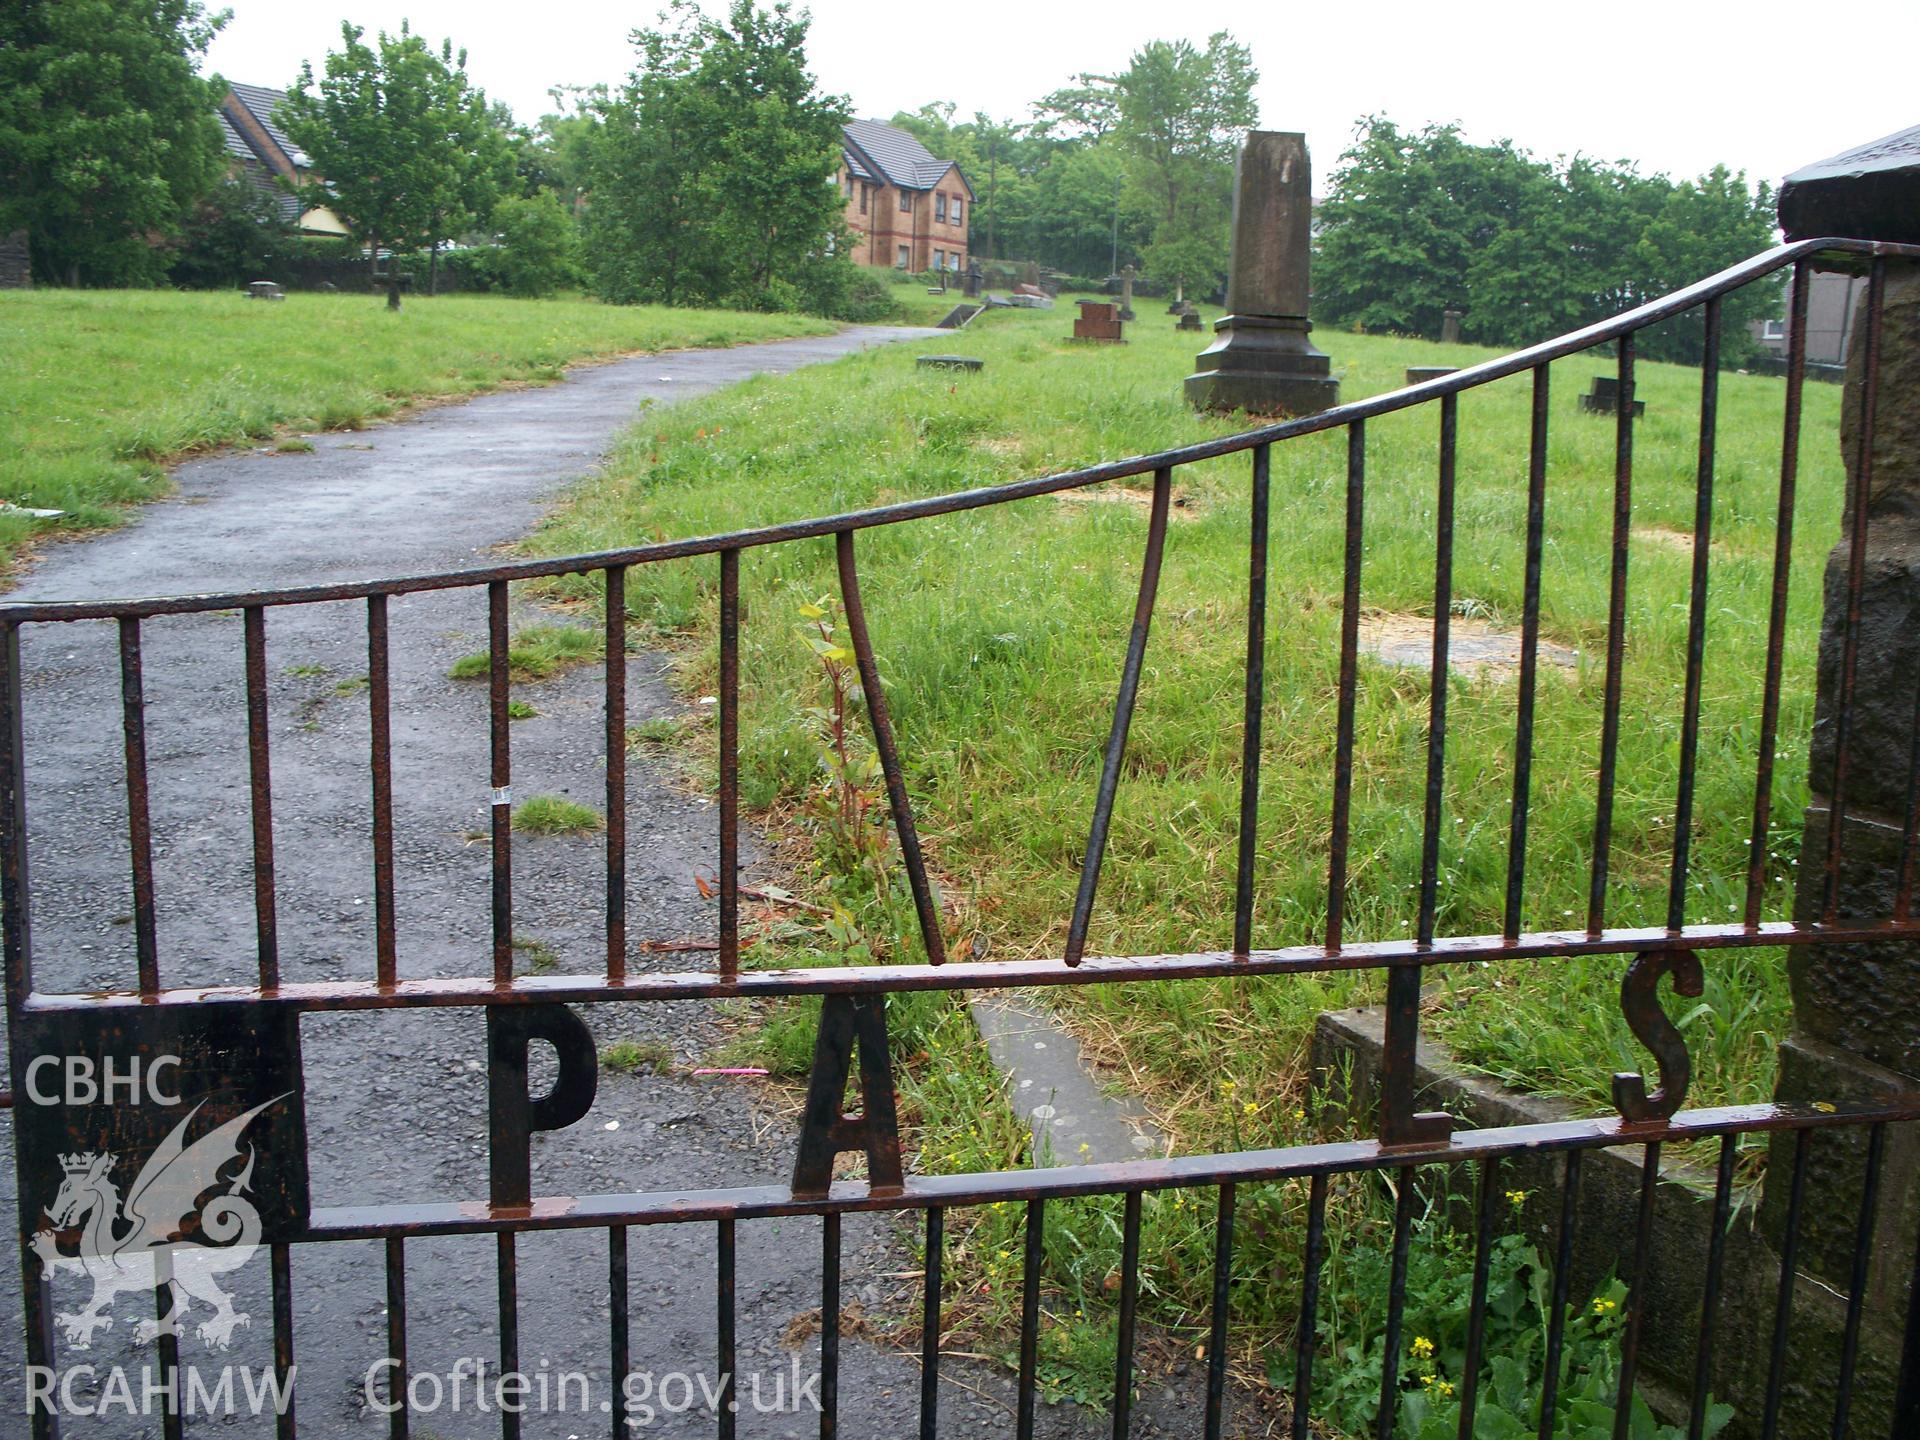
(1450, 326)
(1126, 293)
(1098, 321)
(1263, 361)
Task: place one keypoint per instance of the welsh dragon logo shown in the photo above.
(133, 1244)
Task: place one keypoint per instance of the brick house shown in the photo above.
(907, 209)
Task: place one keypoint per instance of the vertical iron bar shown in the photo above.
(397, 1383)
(265, 919)
(729, 764)
(829, 1325)
(380, 729)
(15, 916)
(1255, 703)
(729, 1384)
(1030, 1318)
(1396, 1301)
(1906, 1399)
(619, 1327)
(501, 758)
(172, 1411)
(133, 729)
(1222, 1300)
(1783, 1306)
(1129, 1298)
(1777, 612)
(616, 708)
(1122, 717)
(1856, 579)
(930, 1325)
(1857, 1283)
(1562, 1281)
(1910, 829)
(36, 1291)
(1637, 1286)
(1437, 678)
(1710, 1299)
(509, 1275)
(1477, 1307)
(1616, 639)
(280, 1257)
(883, 744)
(1696, 619)
(1529, 657)
(1307, 1336)
(1349, 674)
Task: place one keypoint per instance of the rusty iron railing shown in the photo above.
(520, 1009)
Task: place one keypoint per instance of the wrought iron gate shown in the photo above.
(238, 1047)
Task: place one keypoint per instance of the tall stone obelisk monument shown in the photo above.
(1262, 361)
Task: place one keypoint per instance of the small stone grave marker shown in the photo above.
(1604, 398)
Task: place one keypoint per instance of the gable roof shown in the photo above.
(259, 103)
(893, 156)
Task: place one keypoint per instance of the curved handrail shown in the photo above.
(1473, 376)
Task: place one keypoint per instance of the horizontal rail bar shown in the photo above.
(1499, 368)
(980, 974)
(760, 1202)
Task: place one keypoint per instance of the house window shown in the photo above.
(940, 208)
(906, 201)
(1773, 329)
(865, 191)
(847, 180)
(939, 259)
(906, 258)
(956, 209)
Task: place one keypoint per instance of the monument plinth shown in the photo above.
(1263, 361)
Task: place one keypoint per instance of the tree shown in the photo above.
(1420, 222)
(107, 133)
(1183, 115)
(385, 127)
(711, 173)
(234, 234)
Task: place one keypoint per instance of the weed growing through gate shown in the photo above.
(520, 710)
(537, 955)
(1430, 1371)
(635, 1055)
(537, 652)
(555, 815)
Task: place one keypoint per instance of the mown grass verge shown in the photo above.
(102, 389)
(1000, 634)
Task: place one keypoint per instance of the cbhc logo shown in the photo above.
(113, 1078)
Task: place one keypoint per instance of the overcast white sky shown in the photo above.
(1675, 86)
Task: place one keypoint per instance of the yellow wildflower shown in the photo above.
(1422, 1347)
(1249, 1108)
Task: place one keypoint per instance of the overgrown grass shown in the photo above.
(1000, 633)
(555, 815)
(536, 652)
(102, 388)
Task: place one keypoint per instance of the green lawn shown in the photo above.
(1001, 633)
(102, 388)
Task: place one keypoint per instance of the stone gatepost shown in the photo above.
(1856, 1008)
(1262, 361)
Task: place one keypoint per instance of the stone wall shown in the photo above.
(16, 264)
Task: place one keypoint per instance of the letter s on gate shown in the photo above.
(1640, 1003)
